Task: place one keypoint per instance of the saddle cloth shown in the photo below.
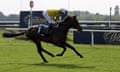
(43, 29)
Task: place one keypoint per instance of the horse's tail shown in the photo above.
(9, 35)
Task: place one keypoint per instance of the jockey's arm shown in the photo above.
(60, 19)
(49, 19)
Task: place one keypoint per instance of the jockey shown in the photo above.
(54, 15)
(63, 14)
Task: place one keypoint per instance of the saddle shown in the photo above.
(45, 29)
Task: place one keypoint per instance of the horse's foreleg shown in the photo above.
(71, 47)
(62, 46)
(61, 54)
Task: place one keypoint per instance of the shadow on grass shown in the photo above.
(63, 65)
(24, 65)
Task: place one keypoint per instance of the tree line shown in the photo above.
(85, 15)
(81, 15)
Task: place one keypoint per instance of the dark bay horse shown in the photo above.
(58, 36)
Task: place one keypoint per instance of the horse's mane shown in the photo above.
(63, 22)
(65, 18)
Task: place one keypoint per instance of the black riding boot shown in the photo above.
(50, 27)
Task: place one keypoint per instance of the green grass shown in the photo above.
(22, 56)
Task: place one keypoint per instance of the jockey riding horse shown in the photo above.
(52, 17)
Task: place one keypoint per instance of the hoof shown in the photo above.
(81, 56)
(45, 62)
(59, 55)
(52, 56)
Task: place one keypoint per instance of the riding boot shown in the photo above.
(50, 27)
(39, 29)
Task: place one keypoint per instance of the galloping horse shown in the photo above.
(58, 36)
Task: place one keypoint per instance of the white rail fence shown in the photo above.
(84, 24)
(88, 26)
(92, 33)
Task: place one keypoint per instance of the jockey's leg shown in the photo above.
(39, 29)
(45, 29)
(50, 27)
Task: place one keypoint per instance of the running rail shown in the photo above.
(92, 33)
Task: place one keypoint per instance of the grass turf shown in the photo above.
(22, 56)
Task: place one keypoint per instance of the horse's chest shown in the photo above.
(59, 38)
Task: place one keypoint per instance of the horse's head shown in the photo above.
(72, 22)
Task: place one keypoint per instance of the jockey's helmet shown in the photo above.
(63, 11)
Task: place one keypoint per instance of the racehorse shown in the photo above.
(57, 37)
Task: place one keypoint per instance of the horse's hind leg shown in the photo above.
(71, 47)
(48, 52)
(39, 49)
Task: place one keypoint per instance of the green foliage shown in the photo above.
(85, 15)
(82, 15)
(22, 56)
